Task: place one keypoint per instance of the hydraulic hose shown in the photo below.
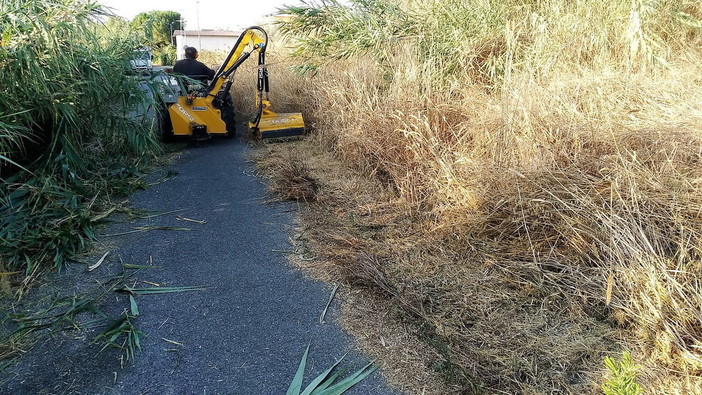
(261, 86)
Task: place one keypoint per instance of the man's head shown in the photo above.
(191, 52)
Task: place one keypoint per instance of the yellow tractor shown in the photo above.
(209, 110)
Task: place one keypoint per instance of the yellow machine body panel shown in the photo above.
(199, 112)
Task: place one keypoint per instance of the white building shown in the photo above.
(208, 40)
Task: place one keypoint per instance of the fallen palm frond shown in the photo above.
(63, 311)
(68, 313)
(61, 314)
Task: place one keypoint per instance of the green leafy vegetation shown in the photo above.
(623, 376)
(122, 328)
(74, 129)
(157, 28)
(21, 329)
(486, 38)
(338, 31)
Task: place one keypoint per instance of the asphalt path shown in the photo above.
(244, 334)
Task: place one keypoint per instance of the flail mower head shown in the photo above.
(270, 124)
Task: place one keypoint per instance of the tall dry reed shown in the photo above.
(553, 152)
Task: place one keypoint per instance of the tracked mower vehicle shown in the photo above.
(209, 111)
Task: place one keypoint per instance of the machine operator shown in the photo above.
(193, 68)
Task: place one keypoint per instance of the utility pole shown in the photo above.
(174, 40)
(185, 33)
(199, 39)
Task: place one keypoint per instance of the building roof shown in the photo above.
(206, 32)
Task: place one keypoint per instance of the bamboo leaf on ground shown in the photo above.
(191, 220)
(324, 384)
(140, 229)
(132, 266)
(133, 306)
(173, 342)
(161, 290)
(98, 263)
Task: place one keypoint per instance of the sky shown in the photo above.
(213, 14)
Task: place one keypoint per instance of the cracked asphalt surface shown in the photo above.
(244, 334)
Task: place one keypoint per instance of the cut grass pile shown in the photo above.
(72, 131)
(105, 311)
(543, 161)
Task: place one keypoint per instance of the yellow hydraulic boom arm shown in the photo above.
(253, 37)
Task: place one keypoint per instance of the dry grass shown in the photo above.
(322, 242)
(357, 233)
(291, 178)
(514, 266)
(556, 231)
(530, 227)
(212, 59)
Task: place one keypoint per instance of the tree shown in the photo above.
(158, 27)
